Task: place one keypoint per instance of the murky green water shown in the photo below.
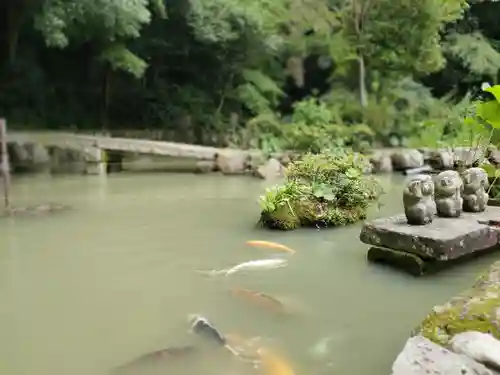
(87, 290)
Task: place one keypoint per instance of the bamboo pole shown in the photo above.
(5, 169)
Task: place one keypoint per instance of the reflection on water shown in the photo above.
(90, 289)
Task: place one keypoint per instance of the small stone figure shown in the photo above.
(474, 194)
(418, 200)
(448, 194)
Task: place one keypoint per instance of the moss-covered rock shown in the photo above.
(477, 309)
(320, 189)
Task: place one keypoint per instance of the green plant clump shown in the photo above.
(329, 189)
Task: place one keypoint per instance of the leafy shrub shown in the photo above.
(313, 127)
(330, 189)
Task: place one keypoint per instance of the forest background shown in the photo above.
(269, 74)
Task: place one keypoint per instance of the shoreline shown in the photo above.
(59, 153)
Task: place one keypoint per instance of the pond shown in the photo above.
(87, 290)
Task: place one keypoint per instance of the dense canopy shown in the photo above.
(243, 71)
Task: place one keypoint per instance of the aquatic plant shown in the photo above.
(329, 189)
(487, 114)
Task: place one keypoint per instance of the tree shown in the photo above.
(394, 38)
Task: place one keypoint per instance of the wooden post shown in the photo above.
(5, 168)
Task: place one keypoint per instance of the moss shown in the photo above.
(325, 189)
(282, 218)
(476, 309)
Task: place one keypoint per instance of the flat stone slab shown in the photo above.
(444, 239)
(421, 356)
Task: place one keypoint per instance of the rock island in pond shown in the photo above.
(328, 189)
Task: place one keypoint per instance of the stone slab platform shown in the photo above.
(444, 239)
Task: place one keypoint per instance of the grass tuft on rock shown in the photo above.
(328, 189)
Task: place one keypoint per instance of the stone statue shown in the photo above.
(474, 194)
(448, 194)
(418, 200)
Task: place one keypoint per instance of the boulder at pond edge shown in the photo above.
(476, 309)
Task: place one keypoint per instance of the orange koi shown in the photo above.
(273, 364)
(271, 245)
(260, 299)
(246, 347)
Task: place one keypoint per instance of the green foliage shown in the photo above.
(107, 22)
(329, 189)
(447, 125)
(120, 58)
(313, 127)
(475, 52)
(214, 71)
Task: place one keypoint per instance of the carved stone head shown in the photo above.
(475, 178)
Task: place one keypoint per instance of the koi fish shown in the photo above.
(246, 347)
(271, 245)
(201, 326)
(251, 265)
(273, 364)
(260, 298)
(159, 356)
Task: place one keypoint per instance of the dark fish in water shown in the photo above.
(159, 356)
(203, 327)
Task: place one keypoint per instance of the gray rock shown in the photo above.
(30, 157)
(421, 356)
(444, 239)
(426, 152)
(406, 159)
(271, 169)
(93, 154)
(255, 159)
(382, 162)
(18, 154)
(39, 154)
(482, 347)
(67, 161)
(493, 156)
(232, 161)
(465, 156)
(205, 166)
(441, 159)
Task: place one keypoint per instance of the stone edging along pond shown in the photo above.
(432, 350)
(35, 157)
(381, 160)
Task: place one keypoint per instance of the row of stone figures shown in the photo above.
(445, 195)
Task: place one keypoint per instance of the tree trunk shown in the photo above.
(363, 95)
(295, 67)
(106, 96)
(14, 18)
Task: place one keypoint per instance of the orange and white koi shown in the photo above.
(272, 364)
(260, 264)
(271, 245)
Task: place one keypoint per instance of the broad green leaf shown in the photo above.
(352, 173)
(490, 112)
(330, 197)
(491, 170)
(495, 90)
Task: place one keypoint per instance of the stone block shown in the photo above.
(444, 239)
(421, 356)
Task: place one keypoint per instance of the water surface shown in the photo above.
(87, 290)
